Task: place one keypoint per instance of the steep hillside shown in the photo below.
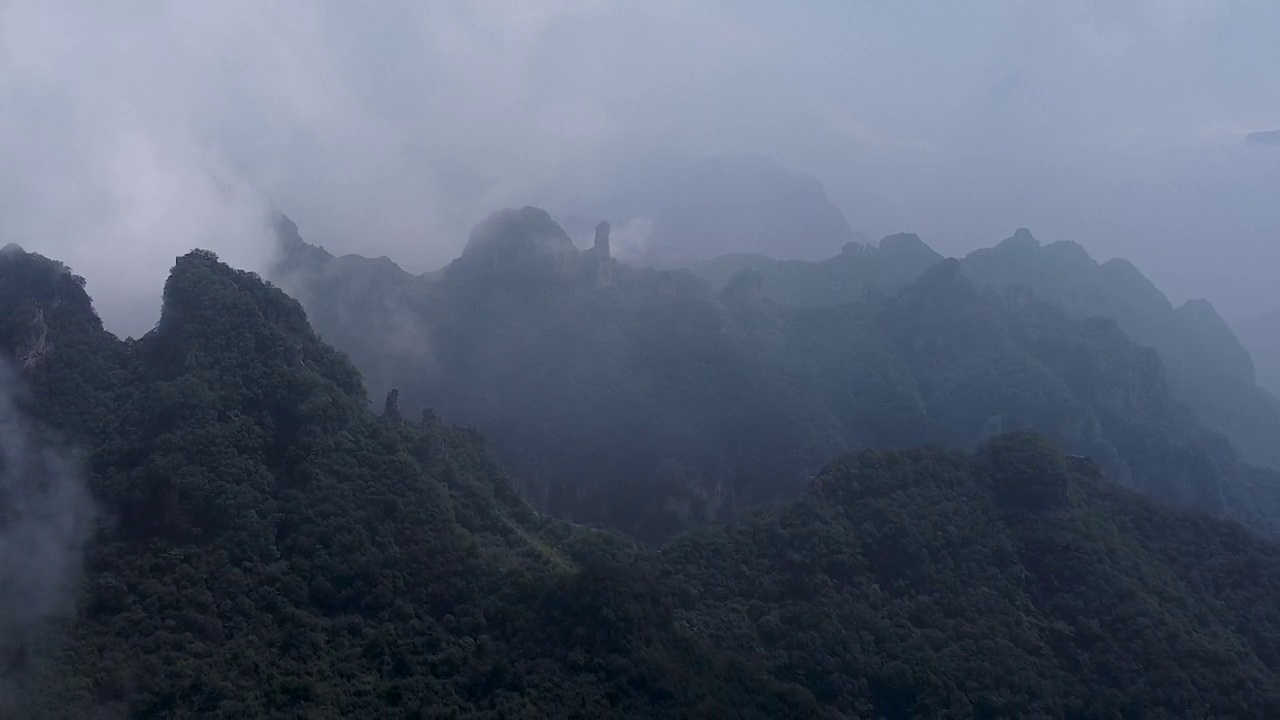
(1012, 583)
(650, 402)
(1208, 367)
(269, 548)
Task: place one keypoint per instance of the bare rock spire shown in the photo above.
(392, 409)
(602, 238)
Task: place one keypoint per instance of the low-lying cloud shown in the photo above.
(45, 519)
(133, 131)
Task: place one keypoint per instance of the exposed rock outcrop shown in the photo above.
(36, 350)
(524, 244)
(600, 258)
(391, 410)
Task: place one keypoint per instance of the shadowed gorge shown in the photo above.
(269, 547)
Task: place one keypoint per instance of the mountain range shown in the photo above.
(1207, 366)
(653, 400)
(264, 545)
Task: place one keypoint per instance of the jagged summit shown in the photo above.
(528, 229)
(286, 228)
(528, 245)
(602, 237)
(1207, 366)
(1069, 252)
(519, 243)
(52, 298)
(1021, 239)
(908, 248)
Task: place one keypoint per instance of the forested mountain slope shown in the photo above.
(1012, 583)
(648, 401)
(1208, 367)
(266, 547)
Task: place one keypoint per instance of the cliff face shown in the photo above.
(51, 333)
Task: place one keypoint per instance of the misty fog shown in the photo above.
(45, 519)
(133, 131)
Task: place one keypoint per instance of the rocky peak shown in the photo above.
(520, 244)
(1022, 239)
(908, 246)
(602, 238)
(526, 231)
(391, 410)
(1212, 342)
(601, 265)
(42, 303)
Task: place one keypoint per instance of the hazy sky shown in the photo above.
(133, 130)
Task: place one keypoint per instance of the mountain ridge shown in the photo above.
(1209, 367)
(754, 394)
(274, 549)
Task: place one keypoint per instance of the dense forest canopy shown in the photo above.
(265, 546)
(651, 400)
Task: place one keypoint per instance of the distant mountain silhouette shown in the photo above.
(653, 400)
(268, 547)
(1268, 137)
(1208, 367)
